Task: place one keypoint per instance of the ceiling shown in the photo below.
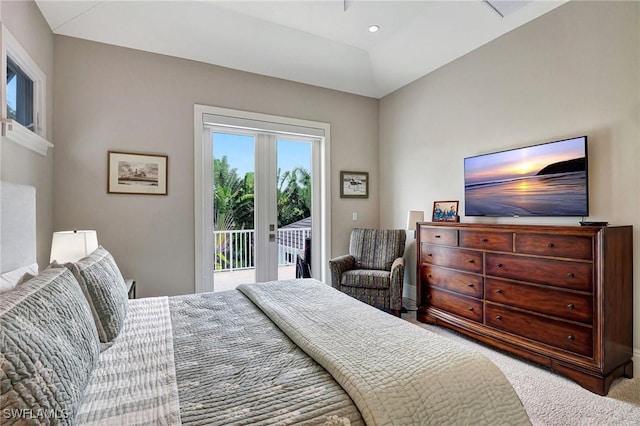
(323, 43)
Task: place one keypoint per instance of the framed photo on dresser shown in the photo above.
(445, 211)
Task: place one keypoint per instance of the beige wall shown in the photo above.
(571, 72)
(111, 98)
(19, 165)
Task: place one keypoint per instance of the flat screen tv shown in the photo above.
(549, 179)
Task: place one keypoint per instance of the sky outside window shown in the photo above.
(239, 152)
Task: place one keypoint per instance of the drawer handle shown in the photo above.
(499, 291)
(550, 245)
(499, 317)
(470, 308)
(570, 338)
(470, 285)
(428, 275)
(437, 236)
(498, 265)
(570, 275)
(483, 240)
(430, 254)
(570, 307)
(428, 296)
(471, 261)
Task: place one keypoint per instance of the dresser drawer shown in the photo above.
(571, 337)
(466, 260)
(567, 274)
(558, 303)
(463, 306)
(447, 237)
(499, 241)
(575, 247)
(460, 282)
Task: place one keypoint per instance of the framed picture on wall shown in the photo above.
(130, 173)
(354, 184)
(445, 211)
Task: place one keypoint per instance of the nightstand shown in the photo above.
(131, 288)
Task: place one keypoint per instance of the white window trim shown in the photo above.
(11, 129)
(203, 197)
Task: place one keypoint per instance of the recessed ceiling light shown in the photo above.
(373, 28)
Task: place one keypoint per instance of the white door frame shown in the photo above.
(203, 197)
(266, 209)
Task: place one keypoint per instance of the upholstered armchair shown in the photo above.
(373, 271)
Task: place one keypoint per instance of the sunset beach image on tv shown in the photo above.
(541, 180)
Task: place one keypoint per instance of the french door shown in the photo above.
(277, 181)
(262, 205)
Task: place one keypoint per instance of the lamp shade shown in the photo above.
(413, 217)
(71, 246)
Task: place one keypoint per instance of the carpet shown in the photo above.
(551, 399)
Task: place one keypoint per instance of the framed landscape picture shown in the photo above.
(130, 173)
(354, 184)
(445, 211)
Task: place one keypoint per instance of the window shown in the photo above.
(19, 95)
(23, 95)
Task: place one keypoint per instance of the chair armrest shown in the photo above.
(397, 281)
(398, 263)
(338, 266)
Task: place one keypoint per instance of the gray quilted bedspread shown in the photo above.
(395, 372)
(234, 366)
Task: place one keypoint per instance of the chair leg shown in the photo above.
(396, 312)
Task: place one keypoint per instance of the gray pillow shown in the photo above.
(49, 347)
(105, 290)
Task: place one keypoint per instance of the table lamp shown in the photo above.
(71, 246)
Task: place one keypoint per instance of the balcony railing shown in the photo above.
(234, 250)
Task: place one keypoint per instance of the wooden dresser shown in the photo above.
(561, 296)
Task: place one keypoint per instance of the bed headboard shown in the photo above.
(17, 226)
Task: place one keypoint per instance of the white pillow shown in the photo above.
(10, 279)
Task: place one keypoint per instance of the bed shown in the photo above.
(75, 350)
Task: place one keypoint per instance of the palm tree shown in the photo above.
(243, 208)
(294, 195)
(233, 197)
(233, 206)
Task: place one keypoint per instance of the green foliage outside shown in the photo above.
(234, 202)
(233, 197)
(294, 196)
